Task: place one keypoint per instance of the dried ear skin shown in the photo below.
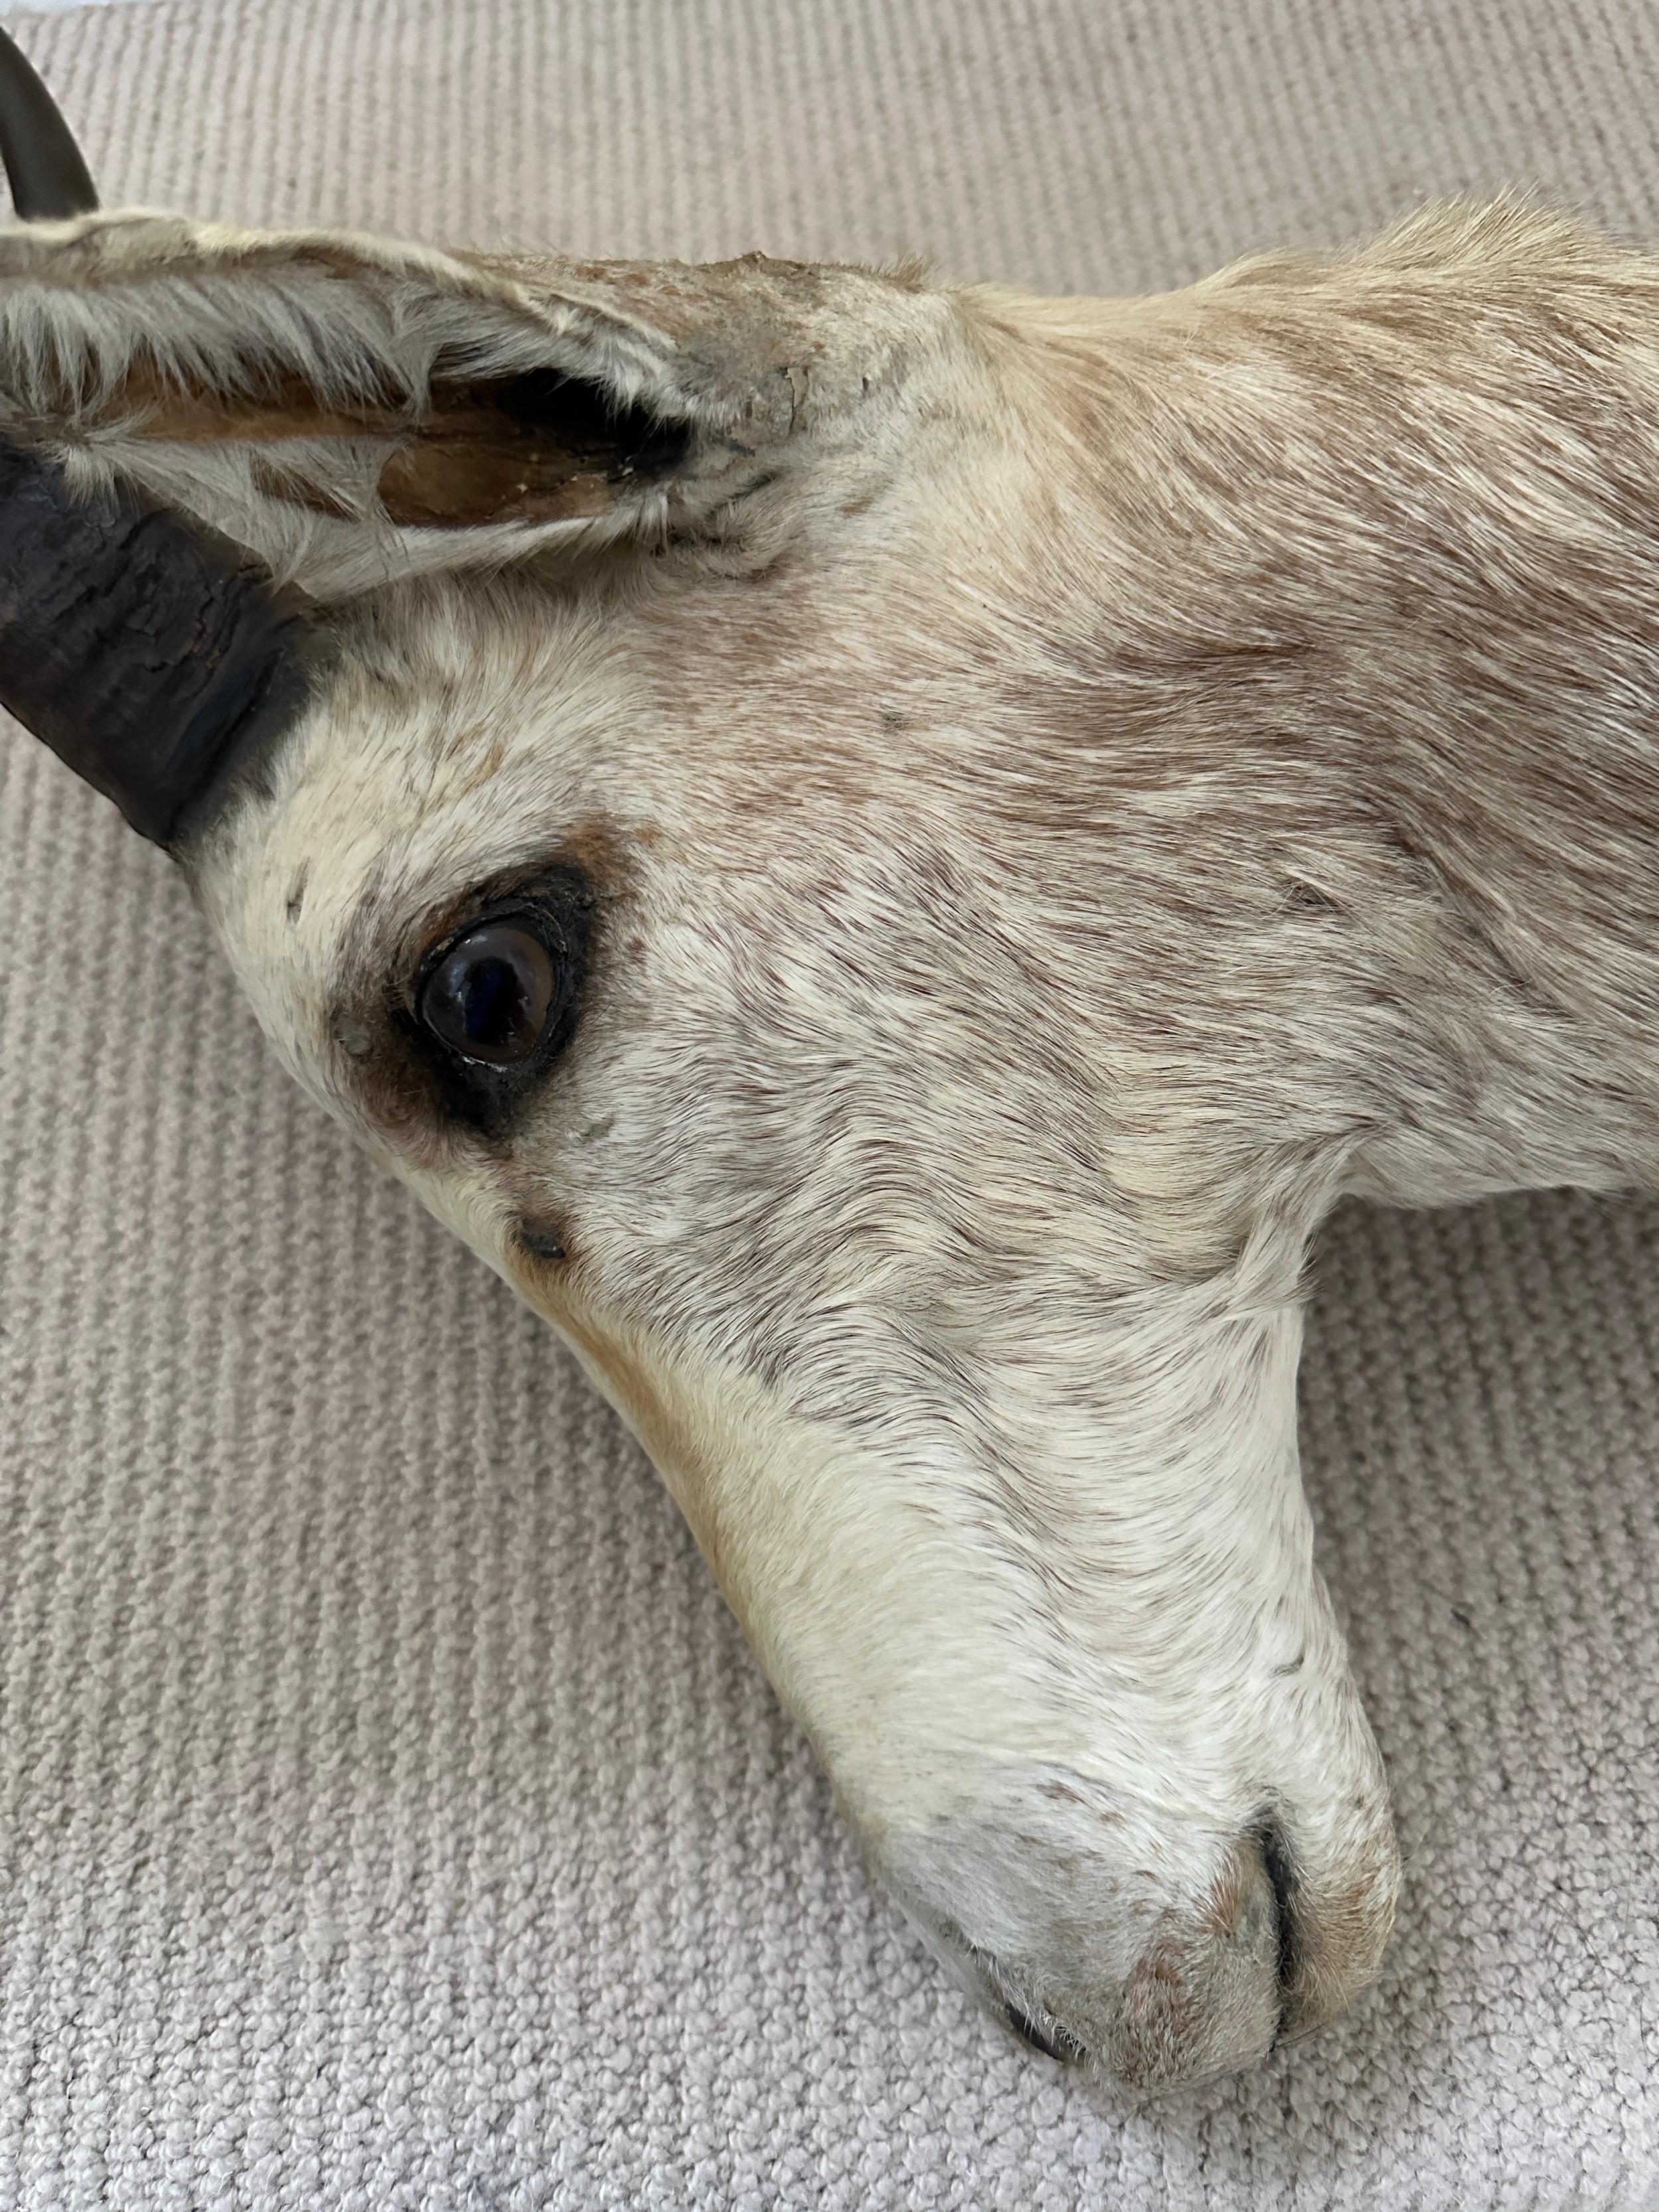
(539, 446)
(451, 486)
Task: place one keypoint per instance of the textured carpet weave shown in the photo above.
(391, 1815)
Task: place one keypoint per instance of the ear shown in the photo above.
(353, 411)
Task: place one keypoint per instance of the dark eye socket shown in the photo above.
(489, 996)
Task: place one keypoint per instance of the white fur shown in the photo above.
(1048, 870)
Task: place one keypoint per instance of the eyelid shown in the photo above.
(557, 906)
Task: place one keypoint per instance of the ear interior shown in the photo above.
(535, 446)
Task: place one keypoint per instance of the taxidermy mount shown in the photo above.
(884, 852)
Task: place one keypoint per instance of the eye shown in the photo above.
(489, 996)
(496, 998)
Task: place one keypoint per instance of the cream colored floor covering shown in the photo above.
(390, 1813)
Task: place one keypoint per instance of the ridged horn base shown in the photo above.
(148, 651)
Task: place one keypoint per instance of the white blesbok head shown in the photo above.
(885, 852)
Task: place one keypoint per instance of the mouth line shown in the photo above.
(1024, 2014)
(1053, 2041)
(1213, 1985)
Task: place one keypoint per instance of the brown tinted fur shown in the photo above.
(463, 457)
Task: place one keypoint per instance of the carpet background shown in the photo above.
(391, 1815)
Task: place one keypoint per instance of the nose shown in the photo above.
(1155, 1951)
(1206, 1994)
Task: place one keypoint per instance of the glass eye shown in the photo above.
(488, 998)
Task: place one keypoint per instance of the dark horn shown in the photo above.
(43, 162)
(156, 658)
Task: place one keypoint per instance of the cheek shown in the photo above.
(470, 1200)
(872, 1616)
(671, 1422)
(678, 1426)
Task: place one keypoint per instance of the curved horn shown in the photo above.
(154, 656)
(44, 166)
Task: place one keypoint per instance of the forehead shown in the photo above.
(456, 723)
(771, 767)
(457, 734)
(463, 721)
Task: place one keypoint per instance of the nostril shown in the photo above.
(1333, 1915)
(1274, 1846)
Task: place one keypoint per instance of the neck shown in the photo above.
(1365, 634)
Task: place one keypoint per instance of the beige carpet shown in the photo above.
(390, 1813)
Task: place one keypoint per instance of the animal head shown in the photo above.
(711, 774)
